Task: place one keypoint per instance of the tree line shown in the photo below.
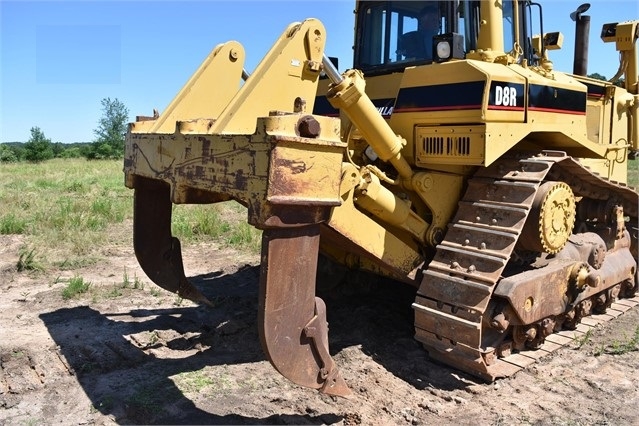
(108, 142)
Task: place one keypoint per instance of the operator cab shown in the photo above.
(391, 35)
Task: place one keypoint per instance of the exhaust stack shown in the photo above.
(582, 30)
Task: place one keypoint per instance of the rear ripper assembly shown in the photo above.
(476, 235)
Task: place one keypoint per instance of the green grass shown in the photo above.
(208, 381)
(27, 261)
(32, 421)
(244, 235)
(70, 209)
(135, 284)
(582, 340)
(118, 289)
(633, 173)
(193, 381)
(147, 402)
(622, 347)
(619, 347)
(64, 207)
(75, 263)
(223, 222)
(11, 224)
(75, 287)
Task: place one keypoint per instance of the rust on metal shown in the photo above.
(469, 315)
(293, 328)
(157, 251)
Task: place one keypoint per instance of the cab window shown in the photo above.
(396, 34)
(382, 32)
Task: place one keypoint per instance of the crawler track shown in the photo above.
(453, 305)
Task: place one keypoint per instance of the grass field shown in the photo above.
(69, 210)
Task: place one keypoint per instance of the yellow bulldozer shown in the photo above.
(455, 159)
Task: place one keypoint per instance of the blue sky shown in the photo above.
(58, 59)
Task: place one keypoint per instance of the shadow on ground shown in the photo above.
(134, 386)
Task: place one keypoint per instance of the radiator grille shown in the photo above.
(438, 145)
(450, 145)
(434, 145)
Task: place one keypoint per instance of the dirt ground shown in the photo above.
(138, 355)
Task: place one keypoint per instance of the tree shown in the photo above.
(58, 149)
(619, 83)
(111, 130)
(7, 155)
(597, 76)
(38, 148)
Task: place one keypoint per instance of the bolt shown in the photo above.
(500, 322)
(528, 304)
(593, 280)
(614, 292)
(489, 357)
(547, 326)
(308, 127)
(233, 55)
(504, 350)
(314, 66)
(436, 236)
(427, 181)
(531, 333)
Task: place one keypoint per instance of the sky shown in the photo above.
(59, 59)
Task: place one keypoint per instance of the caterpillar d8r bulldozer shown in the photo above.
(457, 160)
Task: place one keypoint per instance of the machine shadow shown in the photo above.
(376, 313)
(124, 381)
(135, 387)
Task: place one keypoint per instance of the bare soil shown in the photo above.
(141, 355)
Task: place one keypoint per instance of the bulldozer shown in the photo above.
(471, 170)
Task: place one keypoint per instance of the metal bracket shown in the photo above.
(317, 331)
